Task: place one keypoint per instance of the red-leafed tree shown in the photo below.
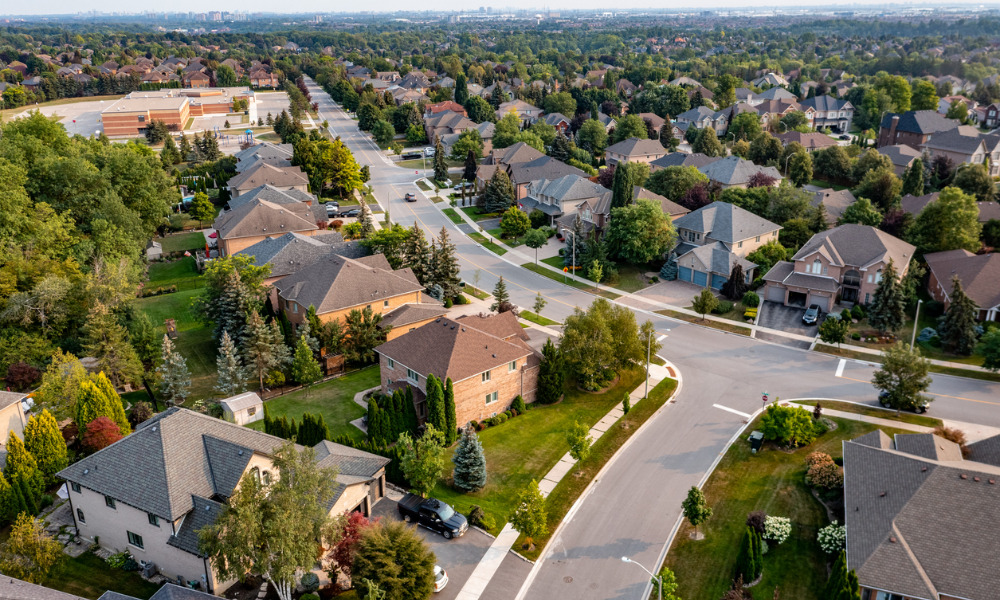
(101, 433)
(21, 375)
(350, 535)
(761, 179)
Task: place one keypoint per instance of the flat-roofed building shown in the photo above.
(129, 116)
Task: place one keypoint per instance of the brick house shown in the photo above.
(259, 219)
(843, 264)
(829, 111)
(913, 128)
(523, 165)
(979, 274)
(634, 150)
(262, 173)
(446, 122)
(487, 359)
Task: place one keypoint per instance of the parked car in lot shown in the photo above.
(845, 137)
(440, 578)
(332, 208)
(410, 197)
(433, 514)
(812, 315)
(883, 399)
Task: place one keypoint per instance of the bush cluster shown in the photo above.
(777, 529)
(722, 307)
(832, 538)
(790, 426)
(147, 292)
(751, 300)
(823, 472)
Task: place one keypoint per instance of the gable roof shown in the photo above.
(669, 207)
(15, 589)
(927, 445)
(271, 194)
(456, 349)
(717, 256)
(809, 141)
(858, 246)
(555, 118)
(733, 170)
(697, 113)
(337, 282)
(919, 121)
(242, 401)
(979, 274)
(412, 313)
(914, 204)
(955, 140)
(291, 252)
(681, 159)
(835, 202)
(725, 222)
(266, 151)
(567, 188)
(901, 155)
(637, 147)
(263, 218)
(826, 103)
(263, 173)
(777, 93)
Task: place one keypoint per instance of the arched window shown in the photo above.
(817, 267)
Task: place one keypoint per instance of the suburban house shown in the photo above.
(446, 122)
(253, 221)
(523, 164)
(717, 237)
(831, 112)
(901, 156)
(959, 148)
(527, 113)
(276, 155)
(433, 109)
(769, 80)
(634, 150)
(913, 205)
(840, 265)
(834, 202)
(771, 112)
(921, 520)
(487, 358)
(196, 79)
(291, 252)
(777, 93)
(557, 120)
(562, 196)
(945, 103)
(698, 117)
(913, 128)
(653, 120)
(978, 273)
(809, 141)
(270, 194)
(151, 492)
(595, 214)
(243, 408)
(733, 171)
(681, 159)
(12, 419)
(282, 178)
(485, 129)
(335, 285)
(991, 117)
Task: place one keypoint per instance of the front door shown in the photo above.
(849, 294)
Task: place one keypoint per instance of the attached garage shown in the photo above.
(718, 281)
(797, 299)
(700, 278)
(824, 301)
(684, 274)
(776, 293)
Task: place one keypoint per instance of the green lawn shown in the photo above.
(707, 323)
(180, 242)
(454, 216)
(423, 185)
(477, 215)
(491, 246)
(630, 277)
(871, 411)
(497, 233)
(875, 358)
(528, 446)
(89, 576)
(773, 481)
(537, 319)
(570, 282)
(194, 338)
(476, 292)
(333, 399)
(183, 273)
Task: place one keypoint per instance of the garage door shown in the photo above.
(684, 274)
(822, 301)
(718, 281)
(700, 278)
(776, 294)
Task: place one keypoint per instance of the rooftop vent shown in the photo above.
(923, 469)
(976, 479)
(964, 476)
(892, 539)
(881, 495)
(241, 452)
(85, 471)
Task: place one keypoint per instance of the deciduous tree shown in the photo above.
(530, 518)
(903, 377)
(423, 459)
(640, 233)
(695, 507)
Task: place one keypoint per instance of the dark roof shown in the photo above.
(858, 246)
(637, 147)
(262, 173)
(825, 103)
(681, 159)
(809, 141)
(901, 155)
(412, 313)
(291, 252)
(985, 451)
(719, 258)
(979, 274)
(988, 211)
(263, 218)
(914, 204)
(336, 282)
(171, 591)
(919, 121)
(270, 194)
(15, 589)
(725, 222)
(955, 140)
(834, 201)
(733, 170)
(669, 207)
(204, 512)
(927, 445)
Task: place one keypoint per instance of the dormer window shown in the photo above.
(817, 267)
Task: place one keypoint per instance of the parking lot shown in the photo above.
(269, 102)
(784, 318)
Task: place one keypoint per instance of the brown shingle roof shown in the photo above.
(265, 174)
(979, 274)
(263, 218)
(337, 282)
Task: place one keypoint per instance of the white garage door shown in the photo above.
(776, 294)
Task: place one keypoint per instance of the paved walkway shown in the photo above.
(359, 399)
(483, 573)
(974, 432)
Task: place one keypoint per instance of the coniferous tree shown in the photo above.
(436, 415)
(8, 505)
(416, 254)
(366, 220)
(451, 433)
(185, 148)
(232, 375)
(461, 89)
(499, 193)
(440, 166)
(471, 166)
(412, 421)
(44, 441)
(260, 349)
(398, 414)
(374, 421)
(736, 285)
(470, 462)
(501, 298)
(551, 374)
(91, 403)
(175, 379)
(578, 240)
(445, 266)
(22, 465)
(887, 311)
(622, 185)
(913, 179)
(560, 149)
(957, 327)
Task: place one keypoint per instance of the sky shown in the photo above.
(42, 7)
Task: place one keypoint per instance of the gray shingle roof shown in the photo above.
(637, 147)
(900, 155)
(263, 218)
(776, 93)
(15, 589)
(544, 167)
(733, 170)
(812, 282)
(291, 252)
(242, 401)
(262, 173)
(336, 282)
(927, 445)
(835, 202)
(170, 591)
(555, 118)
(826, 103)
(858, 246)
(914, 204)
(719, 258)
(412, 313)
(681, 159)
(8, 398)
(986, 451)
(271, 194)
(697, 113)
(725, 222)
(567, 188)
(204, 512)
(955, 140)
(919, 121)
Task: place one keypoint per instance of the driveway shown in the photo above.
(457, 556)
(784, 318)
(675, 293)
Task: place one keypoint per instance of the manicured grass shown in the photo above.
(183, 273)
(492, 247)
(570, 282)
(333, 399)
(454, 216)
(536, 319)
(707, 323)
(554, 261)
(826, 184)
(424, 186)
(871, 411)
(429, 164)
(180, 242)
(194, 338)
(478, 293)
(773, 481)
(497, 233)
(476, 215)
(528, 446)
(630, 278)
(876, 358)
(89, 576)
(571, 486)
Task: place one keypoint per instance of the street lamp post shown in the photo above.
(916, 321)
(649, 344)
(659, 579)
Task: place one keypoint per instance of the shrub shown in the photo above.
(751, 300)
(816, 458)
(518, 405)
(722, 307)
(448, 303)
(933, 308)
(832, 538)
(654, 279)
(461, 299)
(952, 435)
(309, 596)
(777, 529)
(857, 312)
(788, 425)
(756, 520)
(826, 475)
(538, 219)
(846, 315)
(309, 583)
(855, 336)
(337, 224)
(475, 424)
(488, 523)
(476, 514)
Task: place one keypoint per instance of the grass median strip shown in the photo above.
(570, 282)
(872, 411)
(707, 323)
(454, 216)
(877, 358)
(535, 318)
(576, 481)
(495, 248)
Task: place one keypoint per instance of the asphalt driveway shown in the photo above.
(784, 318)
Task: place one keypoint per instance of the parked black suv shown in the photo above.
(433, 514)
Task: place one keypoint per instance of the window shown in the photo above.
(825, 269)
(79, 516)
(267, 477)
(142, 118)
(153, 519)
(869, 278)
(486, 376)
(255, 472)
(740, 245)
(512, 366)
(385, 304)
(295, 307)
(109, 502)
(878, 276)
(368, 306)
(412, 375)
(390, 363)
(135, 539)
(75, 487)
(758, 238)
(817, 266)
(491, 398)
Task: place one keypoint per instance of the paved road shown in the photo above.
(632, 509)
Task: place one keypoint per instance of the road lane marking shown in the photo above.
(840, 367)
(733, 410)
(936, 394)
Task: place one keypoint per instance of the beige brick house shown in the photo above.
(11, 419)
(487, 359)
(251, 222)
(152, 492)
(635, 150)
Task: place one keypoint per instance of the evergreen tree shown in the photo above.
(410, 409)
(107, 340)
(185, 149)
(913, 179)
(888, 307)
(745, 566)
(551, 374)
(366, 220)
(440, 166)
(957, 327)
(305, 368)
(501, 298)
(169, 156)
(374, 421)
(398, 413)
(28, 493)
(470, 462)
(175, 379)
(451, 433)
(445, 266)
(461, 89)
(622, 185)
(560, 149)
(471, 166)
(260, 348)
(22, 465)
(44, 441)
(736, 285)
(232, 376)
(435, 403)
(8, 504)
(577, 239)
(91, 403)
(416, 254)
(499, 193)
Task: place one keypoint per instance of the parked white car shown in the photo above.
(429, 151)
(440, 578)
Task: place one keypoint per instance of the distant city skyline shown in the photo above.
(308, 7)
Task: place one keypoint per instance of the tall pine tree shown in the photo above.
(888, 307)
(416, 254)
(445, 266)
(44, 441)
(470, 462)
(551, 374)
(232, 375)
(175, 378)
(501, 298)
(366, 220)
(451, 431)
(435, 403)
(412, 421)
(440, 166)
(913, 179)
(957, 327)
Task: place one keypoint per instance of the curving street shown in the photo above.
(633, 508)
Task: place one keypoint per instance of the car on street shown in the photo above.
(410, 197)
(465, 184)
(332, 208)
(350, 213)
(845, 137)
(440, 578)
(429, 151)
(812, 315)
(883, 399)
(411, 156)
(433, 514)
